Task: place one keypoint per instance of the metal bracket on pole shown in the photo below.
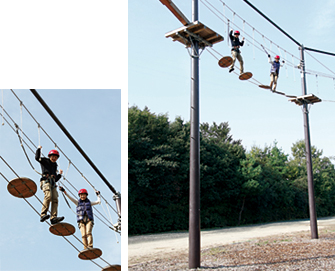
(117, 199)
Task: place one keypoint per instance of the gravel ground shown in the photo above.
(296, 251)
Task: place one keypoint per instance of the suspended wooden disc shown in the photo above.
(225, 62)
(62, 229)
(245, 76)
(22, 187)
(265, 86)
(115, 267)
(90, 254)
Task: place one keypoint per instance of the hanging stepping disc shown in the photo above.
(245, 76)
(22, 187)
(115, 267)
(265, 86)
(225, 62)
(90, 254)
(62, 229)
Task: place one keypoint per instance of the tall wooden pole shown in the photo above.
(311, 198)
(194, 204)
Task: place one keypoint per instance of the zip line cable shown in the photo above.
(59, 147)
(50, 226)
(63, 177)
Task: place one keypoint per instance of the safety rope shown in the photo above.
(24, 150)
(286, 66)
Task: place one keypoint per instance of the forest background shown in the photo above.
(238, 187)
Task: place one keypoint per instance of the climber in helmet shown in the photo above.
(235, 50)
(48, 184)
(85, 217)
(274, 72)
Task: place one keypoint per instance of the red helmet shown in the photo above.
(277, 57)
(237, 32)
(53, 152)
(82, 191)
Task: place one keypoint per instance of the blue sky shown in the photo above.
(93, 118)
(159, 70)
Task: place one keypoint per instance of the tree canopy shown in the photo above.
(237, 187)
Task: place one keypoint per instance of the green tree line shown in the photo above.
(237, 187)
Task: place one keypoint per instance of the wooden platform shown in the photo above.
(90, 254)
(22, 187)
(62, 229)
(198, 31)
(115, 267)
(305, 99)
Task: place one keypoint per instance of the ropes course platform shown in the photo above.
(62, 229)
(115, 267)
(90, 254)
(22, 187)
(197, 31)
(305, 99)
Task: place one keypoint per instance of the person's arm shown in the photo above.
(96, 202)
(270, 59)
(231, 35)
(66, 194)
(38, 154)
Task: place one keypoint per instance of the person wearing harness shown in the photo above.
(274, 72)
(48, 184)
(235, 50)
(85, 217)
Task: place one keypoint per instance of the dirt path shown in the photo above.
(149, 247)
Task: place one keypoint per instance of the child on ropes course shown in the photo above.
(274, 72)
(84, 215)
(48, 184)
(235, 51)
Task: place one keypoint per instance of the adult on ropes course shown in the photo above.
(85, 222)
(48, 184)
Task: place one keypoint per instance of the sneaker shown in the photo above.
(45, 217)
(56, 220)
(231, 69)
